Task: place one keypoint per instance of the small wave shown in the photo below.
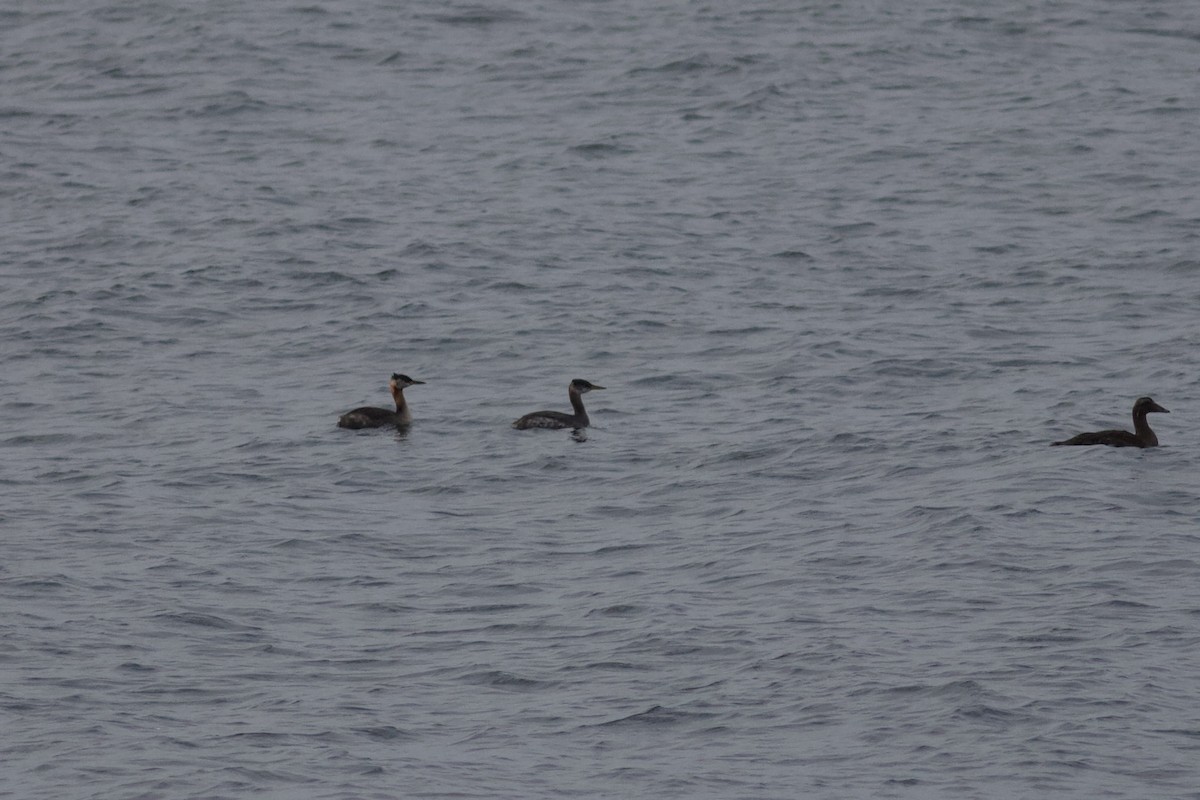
(224, 105)
(670, 381)
(622, 610)
(499, 679)
(385, 733)
(1142, 216)
(202, 620)
(659, 715)
(606, 665)
(38, 584)
(600, 149)
(485, 609)
(39, 438)
(678, 66)
(617, 548)
(479, 15)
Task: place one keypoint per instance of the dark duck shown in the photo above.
(369, 417)
(557, 419)
(1142, 436)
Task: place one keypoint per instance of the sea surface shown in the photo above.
(846, 270)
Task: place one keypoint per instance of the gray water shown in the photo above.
(845, 269)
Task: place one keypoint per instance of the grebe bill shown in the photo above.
(1142, 436)
(557, 419)
(371, 417)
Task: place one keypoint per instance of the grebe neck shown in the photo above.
(401, 405)
(577, 403)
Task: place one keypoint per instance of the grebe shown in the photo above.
(1142, 436)
(368, 417)
(557, 419)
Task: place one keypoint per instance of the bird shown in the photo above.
(557, 419)
(370, 417)
(1142, 436)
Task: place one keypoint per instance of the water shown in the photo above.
(845, 271)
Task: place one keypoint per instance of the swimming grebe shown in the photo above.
(1142, 436)
(368, 417)
(557, 419)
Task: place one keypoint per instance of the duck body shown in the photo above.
(373, 417)
(558, 419)
(1142, 435)
(1113, 438)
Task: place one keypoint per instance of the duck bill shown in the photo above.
(1159, 409)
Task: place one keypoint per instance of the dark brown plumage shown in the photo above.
(1142, 436)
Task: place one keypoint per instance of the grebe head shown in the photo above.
(399, 381)
(582, 386)
(1145, 405)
